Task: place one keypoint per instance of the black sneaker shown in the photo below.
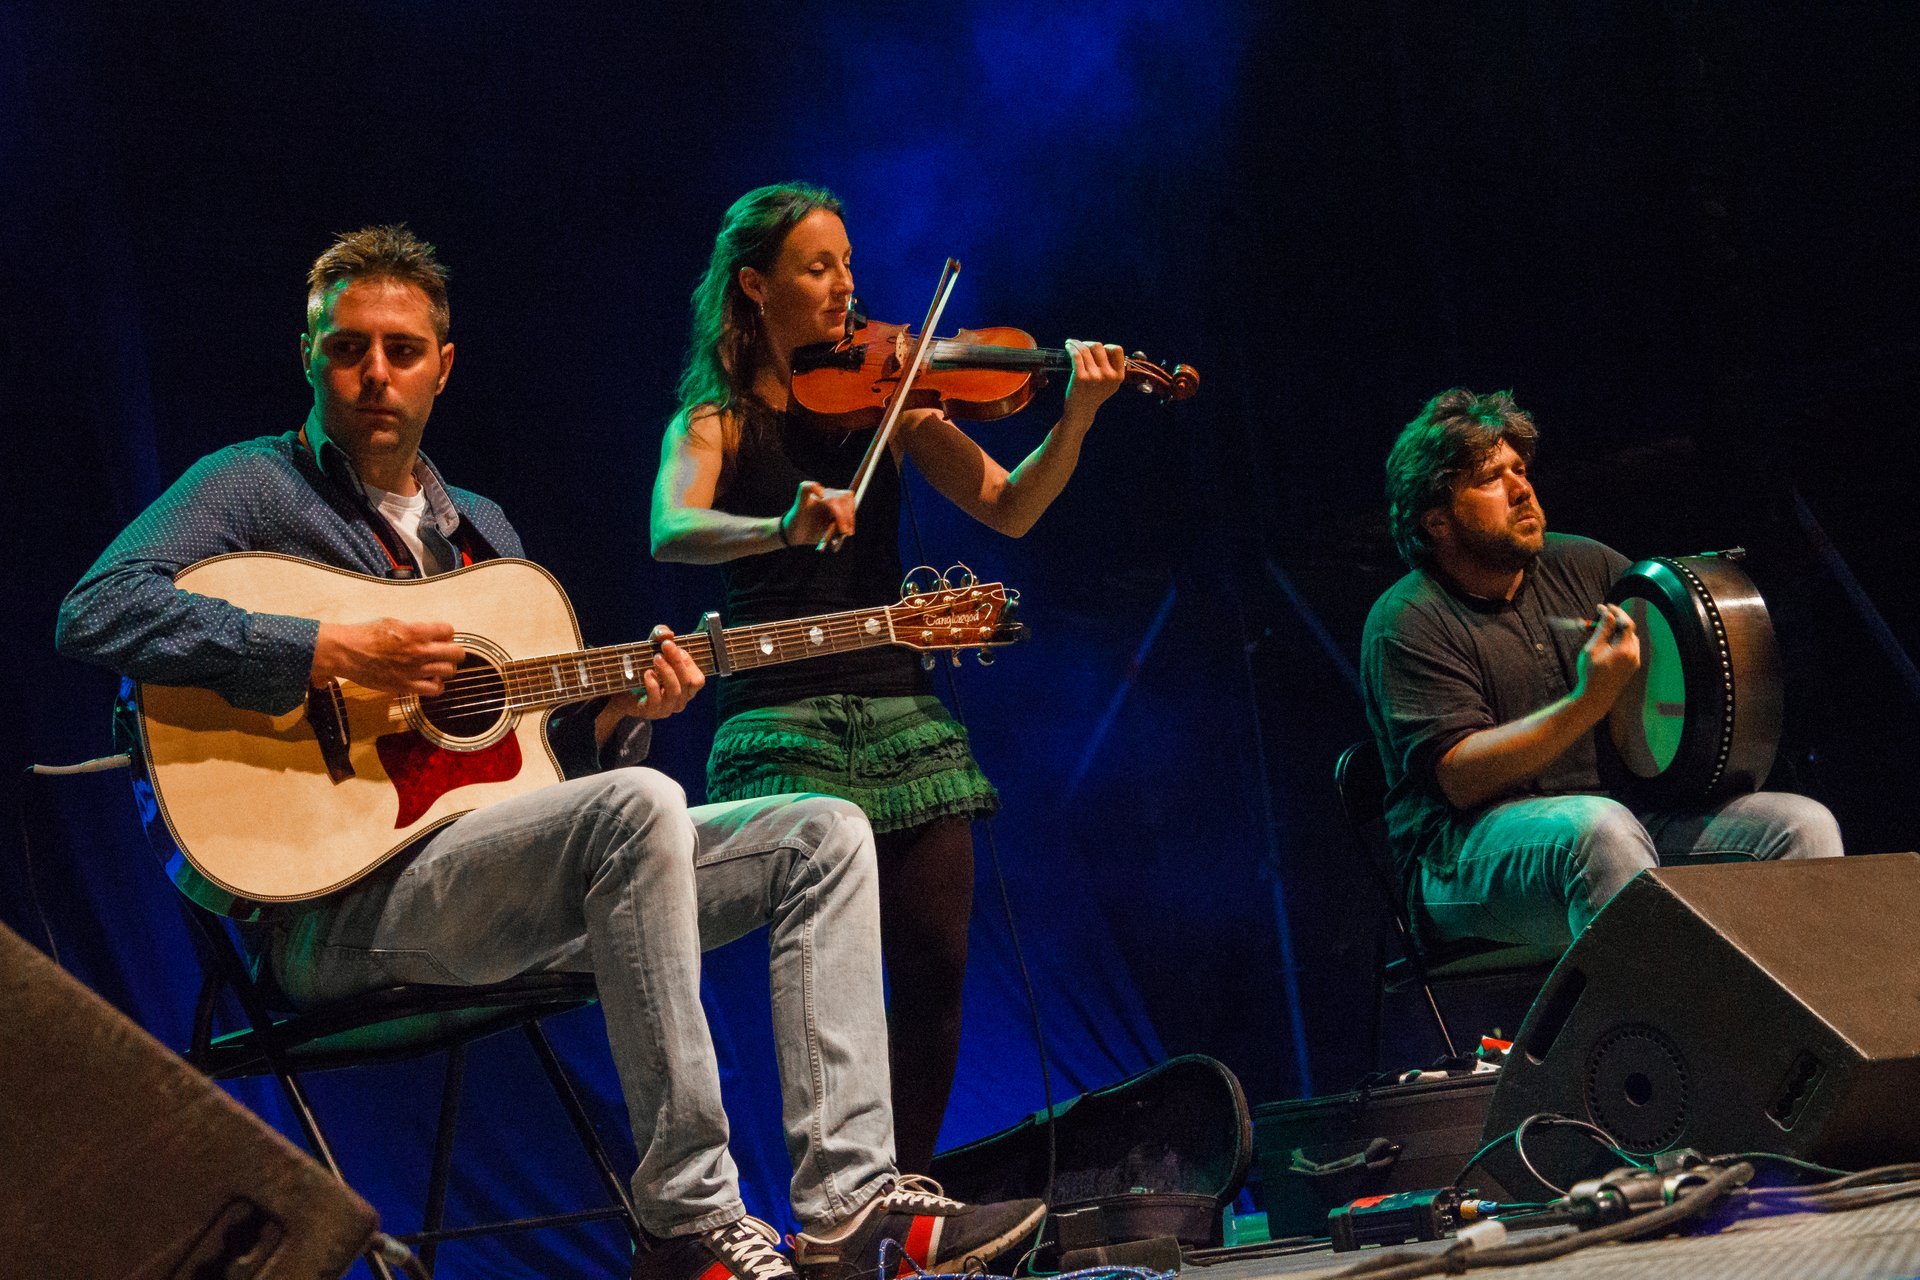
(742, 1250)
(933, 1234)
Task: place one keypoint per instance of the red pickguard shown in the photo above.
(421, 772)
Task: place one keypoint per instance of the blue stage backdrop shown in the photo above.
(1684, 242)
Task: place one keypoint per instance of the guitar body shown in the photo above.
(250, 799)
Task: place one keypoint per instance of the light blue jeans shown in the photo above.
(615, 875)
(1536, 870)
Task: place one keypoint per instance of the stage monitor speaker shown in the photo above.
(117, 1159)
(1769, 1006)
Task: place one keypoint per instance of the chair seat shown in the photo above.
(388, 1025)
(394, 1023)
(1469, 957)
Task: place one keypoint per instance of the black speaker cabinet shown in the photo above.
(117, 1159)
(1767, 1006)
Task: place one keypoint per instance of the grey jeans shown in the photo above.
(615, 875)
(1536, 870)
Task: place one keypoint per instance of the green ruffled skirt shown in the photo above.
(905, 761)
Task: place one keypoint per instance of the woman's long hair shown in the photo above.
(727, 334)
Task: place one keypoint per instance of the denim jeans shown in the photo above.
(615, 875)
(1537, 870)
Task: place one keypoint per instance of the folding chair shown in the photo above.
(1361, 780)
(390, 1025)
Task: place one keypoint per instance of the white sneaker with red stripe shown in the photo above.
(933, 1233)
(743, 1250)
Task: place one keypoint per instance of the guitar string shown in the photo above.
(526, 679)
(642, 650)
(528, 683)
(734, 637)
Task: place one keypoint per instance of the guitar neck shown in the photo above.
(557, 679)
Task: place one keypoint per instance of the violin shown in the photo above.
(979, 374)
(854, 385)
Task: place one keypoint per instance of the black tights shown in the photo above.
(926, 897)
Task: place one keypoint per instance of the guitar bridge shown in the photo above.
(327, 713)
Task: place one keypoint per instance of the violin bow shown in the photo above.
(921, 346)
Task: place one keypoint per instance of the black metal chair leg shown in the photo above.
(443, 1150)
(1439, 1020)
(303, 1111)
(1377, 1025)
(583, 1126)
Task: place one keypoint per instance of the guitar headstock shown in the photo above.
(977, 615)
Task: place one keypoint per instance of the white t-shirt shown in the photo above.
(405, 512)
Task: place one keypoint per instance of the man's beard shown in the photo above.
(1507, 551)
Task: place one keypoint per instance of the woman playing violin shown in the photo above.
(748, 482)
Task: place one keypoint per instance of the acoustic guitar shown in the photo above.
(285, 808)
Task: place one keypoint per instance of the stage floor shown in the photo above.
(1880, 1243)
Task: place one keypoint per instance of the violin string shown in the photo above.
(953, 349)
(953, 354)
(958, 354)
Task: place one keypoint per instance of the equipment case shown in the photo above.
(1316, 1154)
(1156, 1155)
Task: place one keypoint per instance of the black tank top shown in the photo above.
(776, 452)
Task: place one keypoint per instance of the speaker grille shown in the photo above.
(1637, 1087)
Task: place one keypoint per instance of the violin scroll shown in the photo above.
(1152, 379)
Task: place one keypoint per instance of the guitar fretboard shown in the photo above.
(591, 673)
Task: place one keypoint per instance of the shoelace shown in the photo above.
(917, 1191)
(750, 1246)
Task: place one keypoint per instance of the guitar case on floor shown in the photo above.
(1156, 1155)
(1319, 1153)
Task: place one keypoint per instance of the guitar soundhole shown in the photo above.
(474, 700)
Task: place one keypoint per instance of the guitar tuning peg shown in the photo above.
(955, 656)
(910, 585)
(984, 656)
(926, 662)
(958, 576)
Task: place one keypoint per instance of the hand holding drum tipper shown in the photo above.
(1610, 659)
(1700, 719)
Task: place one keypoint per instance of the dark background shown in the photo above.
(1682, 235)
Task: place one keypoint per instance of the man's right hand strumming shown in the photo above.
(387, 654)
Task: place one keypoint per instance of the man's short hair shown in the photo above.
(379, 253)
(1452, 437)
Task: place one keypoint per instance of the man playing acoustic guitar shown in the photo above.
(1484, 684)
(608, 871)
